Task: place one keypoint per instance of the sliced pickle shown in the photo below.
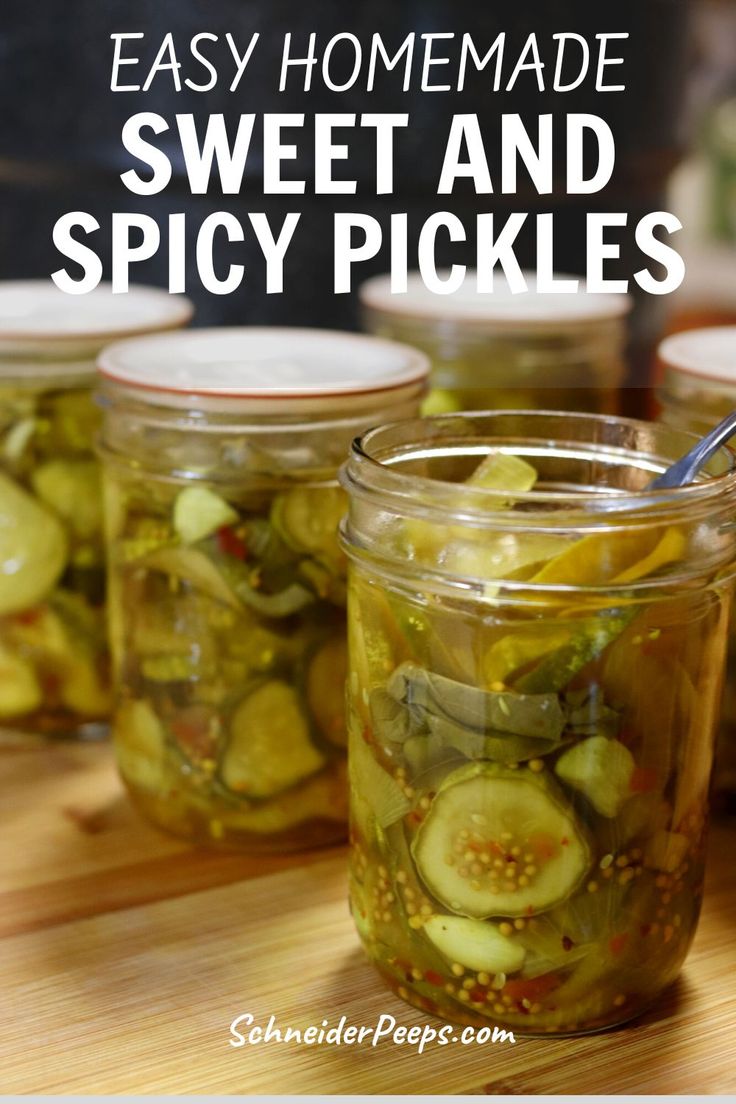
(33, 549)
(506, 815)
(269, 748)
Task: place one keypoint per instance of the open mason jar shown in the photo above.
(698, 389)
(536, 652)
(227, 583)
(53, 656)
(492, 351)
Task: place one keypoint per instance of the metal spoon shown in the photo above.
(684, 470)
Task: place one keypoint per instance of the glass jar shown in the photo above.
(501, 351)
(227, 583)
(536, 652)
(53, 659)
(698, 389)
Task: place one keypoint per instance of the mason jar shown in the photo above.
(697, 390)
(53, 658)
(498, 350)
(536, 650)
(227, 583)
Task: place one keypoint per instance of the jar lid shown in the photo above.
(502, 307)
(708, 353)
(264, 369)
(37, 319)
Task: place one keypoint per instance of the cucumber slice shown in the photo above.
(20, 690)
(326, 689)
(33, 549)
(193, 567)
(601, 769)
(476, 944)
(321, 797)
(199, 512)
(491, 811)
(538, 715)
(556, 670)
(512, 653)
(73, 490)
(140, 746)
(598, 559)
(496, 558)
(502, 471)
(307, 519)
(269, 748)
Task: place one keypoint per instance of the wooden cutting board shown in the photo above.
(125, 956)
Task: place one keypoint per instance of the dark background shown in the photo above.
(60, 126)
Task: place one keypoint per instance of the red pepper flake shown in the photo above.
(531, 989)
(643, 780)
(28, 617)
(618, 942)
(565, 841)
(567, 943)
(478, 995)
(231, 544)
(434, 978)
(645, 929)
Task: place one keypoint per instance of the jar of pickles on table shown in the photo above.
(697, 390)
(536, 650)
(53, 656)
(227, 582)
(500, 350)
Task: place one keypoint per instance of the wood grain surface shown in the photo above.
(126, 955)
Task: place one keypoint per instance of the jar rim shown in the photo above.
(707, 354)
(38, 311)
(500, 309)
(263, 369)
(367, 472)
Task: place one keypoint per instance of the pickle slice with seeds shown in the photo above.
(500, 842)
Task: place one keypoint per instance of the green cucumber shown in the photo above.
(538, 715)
(491, 811)
(476, 944)
(501, 471)
(269, 747)
(199, 512)
(140, 746)
(72, 489)
(321, 797)
(556, 670)
(20, 690)
(515, 651)
(601, 770)
(33, 549)
(307, 520)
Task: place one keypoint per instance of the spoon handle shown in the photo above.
(685, 469)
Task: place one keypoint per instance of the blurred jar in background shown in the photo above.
(698, 389)
(53, 655)
(501, 351)
(227, 584)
